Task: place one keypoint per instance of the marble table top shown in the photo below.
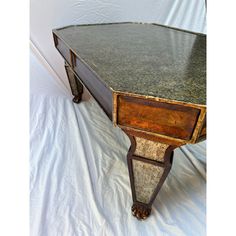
(144, 59)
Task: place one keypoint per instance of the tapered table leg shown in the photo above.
(75, 85)
(149, 163)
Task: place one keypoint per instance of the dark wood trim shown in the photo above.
(142, 210)
(56, 42)
(55, 39)
(130, 165)
(73, 59)
(168, 165)
(76, 86)
(99, 92)
(149, 161)
(153, 136)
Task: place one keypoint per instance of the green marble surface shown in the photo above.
(144, 59)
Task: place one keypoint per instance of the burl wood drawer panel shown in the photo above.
(163, 118)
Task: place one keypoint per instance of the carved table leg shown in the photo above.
(149, 163)
(75, 85)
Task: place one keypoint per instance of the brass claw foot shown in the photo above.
(141, 212)
(77, 99)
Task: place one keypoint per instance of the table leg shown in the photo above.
(75, 85)
(149, 163)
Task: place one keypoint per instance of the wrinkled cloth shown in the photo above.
(79, 182)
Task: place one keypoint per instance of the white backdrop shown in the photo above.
(79, 182)
(48, 14)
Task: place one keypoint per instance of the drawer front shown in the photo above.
(172, 120)
(65, 52)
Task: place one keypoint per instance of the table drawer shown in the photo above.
(172, 120)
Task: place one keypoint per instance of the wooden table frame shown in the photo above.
(155, 126)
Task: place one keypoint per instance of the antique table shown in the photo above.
(150, 80)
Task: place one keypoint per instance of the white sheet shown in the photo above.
(79, 183)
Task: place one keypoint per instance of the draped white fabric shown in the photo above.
(79, 183)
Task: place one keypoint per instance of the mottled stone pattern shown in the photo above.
(146, 178)
(150, 149)
(143, 59)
